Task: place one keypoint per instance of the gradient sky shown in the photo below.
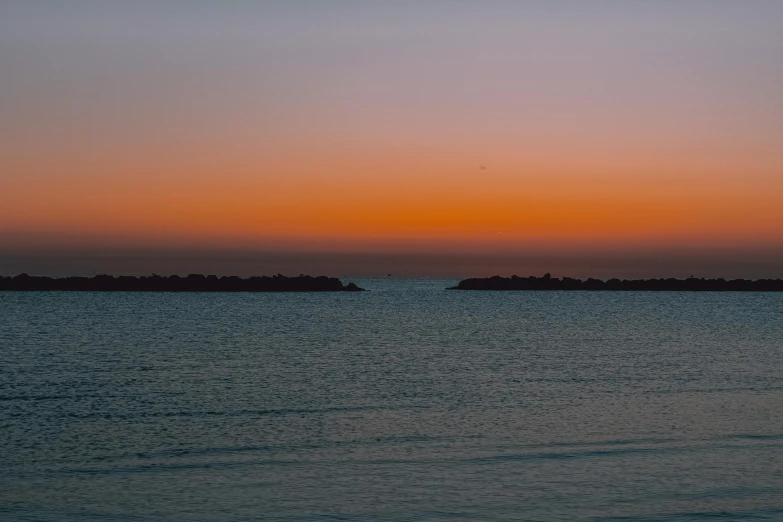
(584, 128)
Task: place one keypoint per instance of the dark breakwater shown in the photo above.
(174, 283)
(692, 284)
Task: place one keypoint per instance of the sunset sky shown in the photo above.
(306, 130)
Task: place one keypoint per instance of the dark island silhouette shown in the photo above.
(691, 284)
(174, 283)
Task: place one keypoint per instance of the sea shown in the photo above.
(406, 402)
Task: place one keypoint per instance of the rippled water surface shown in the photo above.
(404, 403)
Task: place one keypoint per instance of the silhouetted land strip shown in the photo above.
(691, 284)
(191, 283)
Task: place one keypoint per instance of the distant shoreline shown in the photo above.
(191, 283)
(691, 284)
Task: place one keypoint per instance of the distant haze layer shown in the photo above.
(680, 263)
(421, 138)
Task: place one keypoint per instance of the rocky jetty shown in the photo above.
(191, 283)
(692, 284)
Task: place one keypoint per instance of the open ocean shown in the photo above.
(407, 402)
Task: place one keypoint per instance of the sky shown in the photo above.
(449, 138)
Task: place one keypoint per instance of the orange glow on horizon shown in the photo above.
(480, 207)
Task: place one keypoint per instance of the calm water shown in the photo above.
(404, 403)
